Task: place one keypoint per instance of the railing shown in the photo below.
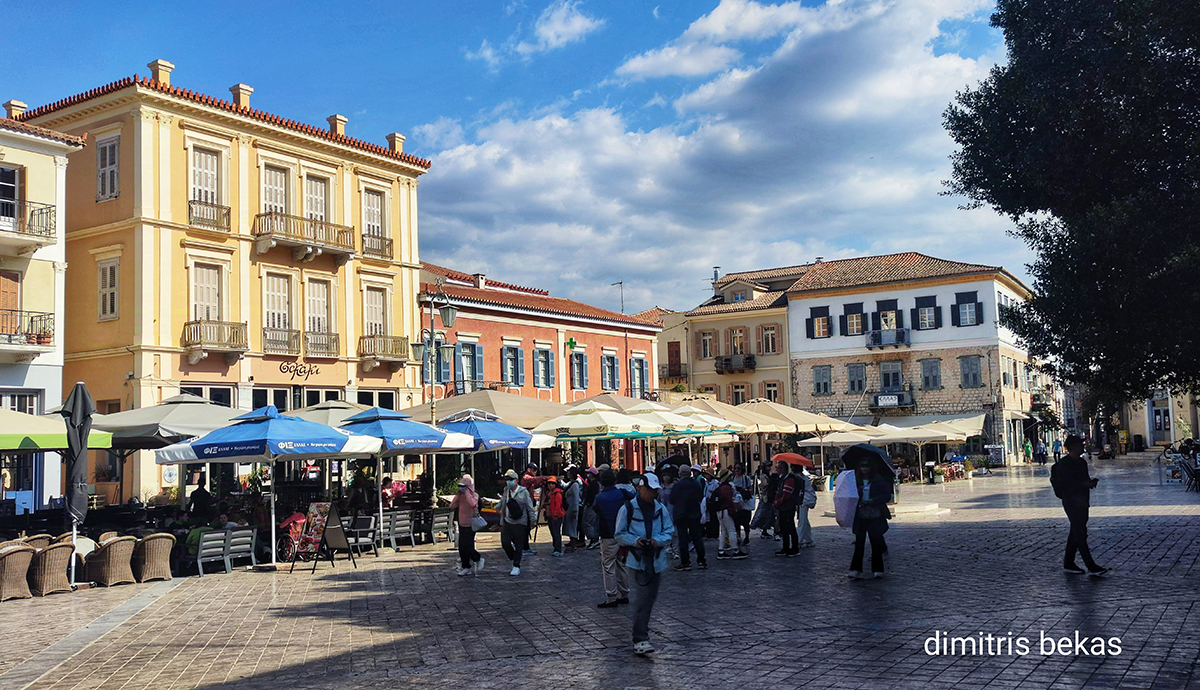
(464, 386)
(27, 217)
(375, 245)
(280, 341)
(302, 230)
(19, 327)
(672, 371)
(208, 215)
(215, 335)
(735, 363)
(387, 347)
(888, 337)
(320, 344)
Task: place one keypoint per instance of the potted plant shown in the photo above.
(43, 338)
(939, 475)
(969, 468)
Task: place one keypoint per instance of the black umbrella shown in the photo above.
(855, 455)
(77, 411)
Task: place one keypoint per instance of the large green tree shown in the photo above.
(1088, 138)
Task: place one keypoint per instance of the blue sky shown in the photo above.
(580, 143)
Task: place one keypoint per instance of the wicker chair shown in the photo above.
(39, 541)
(12, 542)
(106, 536)
(152, 557)
(65, 536)
(109, 564)
(48, 570)
(14, 564)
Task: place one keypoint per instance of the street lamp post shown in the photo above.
(424, 351)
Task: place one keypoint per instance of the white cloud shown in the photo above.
(829, 145)
(688, 60)
(559, 24)
(443, 133)
(487, 54)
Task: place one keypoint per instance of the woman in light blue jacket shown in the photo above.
(644, 527)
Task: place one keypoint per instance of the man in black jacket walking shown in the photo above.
(1069, 477)
(686, 496)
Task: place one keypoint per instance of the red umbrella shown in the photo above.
(792, 459)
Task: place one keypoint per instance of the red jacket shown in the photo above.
(790, 492)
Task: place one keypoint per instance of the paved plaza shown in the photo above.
(990, 566)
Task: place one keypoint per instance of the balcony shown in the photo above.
(203, 337)
(321, 344)
(308, 237)
(891, 400)
(202, 214)
(280, 341)
(732, 363)
(25, 334)
(377, 247)
(888, 337)
(673, 371)
(26, 226)
(376, 349)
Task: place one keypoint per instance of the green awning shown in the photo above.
(28, 433)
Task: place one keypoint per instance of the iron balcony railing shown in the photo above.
(735, 363)
(204, 214)
(280, 341)
(216, 335)
(888, 337)
(18, 327)
(384, 347)
(318, 344)
(300, 230)
(672, 371)
(377, 246)
(27, 217)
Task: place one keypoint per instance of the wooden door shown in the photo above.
(673, 359)
(10, 302)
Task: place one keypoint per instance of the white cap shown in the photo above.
(652, 480)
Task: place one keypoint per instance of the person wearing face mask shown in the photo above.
(516, 515)
(466, 502)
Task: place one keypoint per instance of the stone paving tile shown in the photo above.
(990, 565)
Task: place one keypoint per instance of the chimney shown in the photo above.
(13, 108)
(716, 273)
(480, 281)
(160, 71)
(337, 124)
(819, 259)
(395, 142)
(241, 94)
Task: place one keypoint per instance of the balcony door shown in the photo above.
(8, 199)
(206, 292)
(10, 302)
(279, 302)
(316, 198)
(674, 360)
(374, 322)
(318, 306)
(204, 176)
(274, 192)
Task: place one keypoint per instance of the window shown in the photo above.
(639, 377)
(384, 399)
(470, 363)
(737, 341)
(771, 391)
(543, 368)
(706, 345)
(931, 374)
(968, 311)
(318, 306)
(221, 395)
(738, 394)
(579, 371)
(891, 376)
(887, 316)
(108, 169)
(852, 319)
(739, 296)
(817, 325)
(274, 189)
(770, 340)
(887, 320)
(822, 379)
(610, 373)
(856, 375)
(374, 311)
(8, 199)
(512, 365)
(279, 301)
(108, 288)
(316, 194)
(279, 397)
(205, 183)
(971, 374)
(928, 315)
(316, 396)
(206, 292)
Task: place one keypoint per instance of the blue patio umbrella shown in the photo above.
(489, 432)
(265, 436)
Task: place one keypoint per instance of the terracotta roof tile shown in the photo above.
(210, 101)
(874, 270)
(53, 135)
(763, 275)
(653, 314)
(769, 300)
(538, 302)
(468, 278)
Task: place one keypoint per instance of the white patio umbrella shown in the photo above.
(592, 420)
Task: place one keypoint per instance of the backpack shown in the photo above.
(515, 511)
(810, 495)
(1056, 481)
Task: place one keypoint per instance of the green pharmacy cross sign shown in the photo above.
(571, 343)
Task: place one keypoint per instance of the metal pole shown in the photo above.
(274, 523)
(75, 535)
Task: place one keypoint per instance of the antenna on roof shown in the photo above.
(622, 284)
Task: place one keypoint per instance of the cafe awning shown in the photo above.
(32, 434)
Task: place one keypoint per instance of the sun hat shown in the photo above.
(652, 481)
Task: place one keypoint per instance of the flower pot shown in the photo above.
(939, 479)
(43, 339)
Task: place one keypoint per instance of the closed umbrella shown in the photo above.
(77, 412)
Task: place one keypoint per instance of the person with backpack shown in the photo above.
(788, 497)
(743, 484)
(870, 518)
(806, 504)
(587, 516)
(552, 502)
(644, 528)
(686, 499)
(466, 502)
(606, 506)
(1073, 486)
(725, 502)
(516, 516)
(572, 498)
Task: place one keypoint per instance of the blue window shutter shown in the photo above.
(444, 375)
(616, 374)
(429, 364)
(479, 363)
(550, 368)
(585, 371)
(504, 365)
(520, 366)
(646, 374)
(458, 367)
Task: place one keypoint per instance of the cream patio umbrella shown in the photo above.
(518, 410)
(752, 422)
(815, 423)
(591, 420)
(675, 426)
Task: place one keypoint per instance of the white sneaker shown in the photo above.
(878, 575)
(464, 571)
(855, 574)
(478, 565)
(515, 571)
(644, 647)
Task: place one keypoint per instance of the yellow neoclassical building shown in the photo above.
(223, 251)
